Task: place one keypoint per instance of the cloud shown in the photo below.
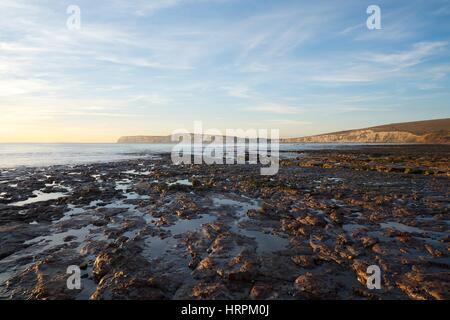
(275, 35)
(371, 67)
(14, 87)
(443, 11)
(349, 108)
(438, 72)
(143, 63)
(344, 77)
(397, 23)
(255, 67)
(146, 8)
(289, 122)
(416, 55)
(25, 108)
(276, 60)
(238, 91)
(155, 5)
(149, 99)
(349, 30)
(275, 108)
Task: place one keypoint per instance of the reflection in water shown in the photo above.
(266, 241)
(39, 196)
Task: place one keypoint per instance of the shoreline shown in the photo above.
(146, 229)
(155, 153)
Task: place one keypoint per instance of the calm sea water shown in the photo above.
(36, 155)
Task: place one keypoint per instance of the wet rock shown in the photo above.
(215, 291)
(360, 268)
(261, 291)
(69, 238)
(421, 286)
(368, 241)
(121, 286)
(339, 213)
(304, 261)
(433, 251)
(240, 268)
(317, 286)
(144, 187)
(110, 212)
(312, 220)
(196, 183)
(83, 266)
(88, 191)
(337, 217)
(102, 265)
(46, 279)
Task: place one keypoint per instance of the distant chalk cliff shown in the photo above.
(428, 131)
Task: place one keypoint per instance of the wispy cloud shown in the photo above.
(344, 77)
(150, 7)
(444, 10)
(238, 91)
(149, 99)
(289, 122)
(416, 55)
(275, 108)
(13, 87)
(175, 60)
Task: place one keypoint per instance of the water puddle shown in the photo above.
(185, 225)
(57, 239)
(266, 241)
(401, 227)
(138, 173)
(73, 211)
(336, 180)
(39, 196)
(88, 285)
(156, 247)
(351, 227)
(183, 182)
(241, 206)
(97, 177)
(123, 185)
(120, 205)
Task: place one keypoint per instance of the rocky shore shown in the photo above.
(147, 229)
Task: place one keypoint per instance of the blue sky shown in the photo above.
(149, 67)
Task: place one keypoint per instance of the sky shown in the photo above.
(151, 67)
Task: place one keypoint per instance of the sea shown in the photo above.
(48, 154)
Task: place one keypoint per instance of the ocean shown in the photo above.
(37, 155)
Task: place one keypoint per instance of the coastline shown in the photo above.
(34, 155)
(147, 229)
